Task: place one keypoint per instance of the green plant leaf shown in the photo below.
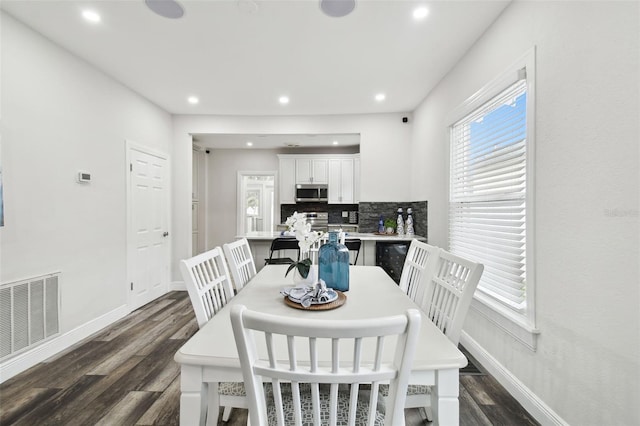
(290, 268)
(304, 266)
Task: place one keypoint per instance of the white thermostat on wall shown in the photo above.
(84, 177)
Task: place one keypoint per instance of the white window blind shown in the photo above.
(488, 193)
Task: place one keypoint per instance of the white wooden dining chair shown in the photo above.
(241, 263)
(450, 290)
(343, 390)
(209, 286)
(315, 247)
(446, 300)
(420, 261)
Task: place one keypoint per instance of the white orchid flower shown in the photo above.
(297, 224)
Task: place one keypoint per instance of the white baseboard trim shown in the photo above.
(177, 286)
(530, 401)
(26, 360)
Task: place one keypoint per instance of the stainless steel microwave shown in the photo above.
(312, 193)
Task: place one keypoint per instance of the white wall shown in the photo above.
(223, 166)
(384, 152)
(586, 368)
(60, 115)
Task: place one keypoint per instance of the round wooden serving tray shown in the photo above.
(321, 307)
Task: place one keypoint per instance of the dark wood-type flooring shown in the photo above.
(126, 375)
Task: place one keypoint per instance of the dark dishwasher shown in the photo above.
(390, 256)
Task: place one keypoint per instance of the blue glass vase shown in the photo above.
(333, 264)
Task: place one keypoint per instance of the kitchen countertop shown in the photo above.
(347, 225)
(364, 236)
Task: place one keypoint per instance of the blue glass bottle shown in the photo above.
(333, 264)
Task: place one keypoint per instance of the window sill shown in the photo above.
(510, 322)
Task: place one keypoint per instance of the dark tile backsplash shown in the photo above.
(334, 210)
(370, 215)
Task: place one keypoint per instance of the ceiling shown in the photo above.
(239, 57)
(273, 141)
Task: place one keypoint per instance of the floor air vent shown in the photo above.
(28, 313)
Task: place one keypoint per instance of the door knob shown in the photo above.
(165, 234)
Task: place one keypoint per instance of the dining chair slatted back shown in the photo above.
(444, 293)
(280, 244)
(450, 290)
(241, 264)
(315, 247)
(420, 261)
(309, 389)
(207, 280)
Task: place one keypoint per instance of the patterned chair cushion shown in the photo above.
(411, 390)
(362, 407)
(231, 389)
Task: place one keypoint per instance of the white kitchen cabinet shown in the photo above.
(260, 252)
(311, 170)
(287, 178)
(195, 240)
(195, 164)
(198, 197)
(341, 181)
(340, 172)
(356, 179)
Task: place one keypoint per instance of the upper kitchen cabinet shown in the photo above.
(311, 170)
(341, 181)
(340, 172)
(287, 178)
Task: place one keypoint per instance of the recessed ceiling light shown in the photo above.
(166, 8)
(337, 8)
(380, 97)
(193, 100)
(91, 16)
(249, 143)
(335, 142)
(283, 100)
(420, 12)
(249, 7)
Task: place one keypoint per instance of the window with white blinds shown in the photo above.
(488, 193)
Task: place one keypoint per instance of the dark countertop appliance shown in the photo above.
(312, 193)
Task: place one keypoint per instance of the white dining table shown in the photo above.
(210, 355)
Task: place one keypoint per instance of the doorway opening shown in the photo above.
(256, 202)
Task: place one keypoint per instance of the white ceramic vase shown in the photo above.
(300, 281)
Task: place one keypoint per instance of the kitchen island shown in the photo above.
(260, 243)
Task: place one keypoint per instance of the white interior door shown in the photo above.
(148, 242)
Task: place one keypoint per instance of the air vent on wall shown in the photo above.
(29, 313)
